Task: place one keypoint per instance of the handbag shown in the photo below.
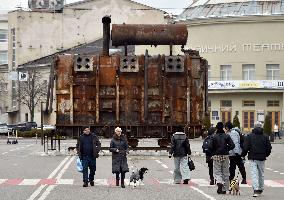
(190, 164)
(79, 165)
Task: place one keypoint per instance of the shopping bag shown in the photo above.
(79, 165)
(190, 164)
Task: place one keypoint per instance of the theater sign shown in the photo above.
(243, 84)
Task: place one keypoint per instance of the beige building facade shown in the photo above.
(39, 33)
(244, 45)
(3, 66)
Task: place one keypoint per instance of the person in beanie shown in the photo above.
(235, 154)
(222, 144)
(258, 147)
(119, 149)
(88, 148)
(207, 149)
(180, 148)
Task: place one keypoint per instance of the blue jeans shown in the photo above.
(257, 174)
(88, 162)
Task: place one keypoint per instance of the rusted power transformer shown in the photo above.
(147, 96)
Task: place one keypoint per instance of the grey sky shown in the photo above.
(175, 5)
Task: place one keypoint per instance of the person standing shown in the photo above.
(180, 149)
(258, 148)
(222, 144)
(207, 149)
(119, 149)
(235, 154)
(88, 148)
(276, 131)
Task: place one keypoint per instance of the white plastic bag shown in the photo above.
(79, 165)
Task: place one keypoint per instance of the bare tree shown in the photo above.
(32, 91)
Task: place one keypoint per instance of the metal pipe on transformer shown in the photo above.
(106, 20)
(149, 34)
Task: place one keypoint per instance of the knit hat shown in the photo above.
(219, 126)
(258, 124)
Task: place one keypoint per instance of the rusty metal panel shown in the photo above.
(148, 34)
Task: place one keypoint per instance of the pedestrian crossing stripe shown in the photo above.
(112, 182)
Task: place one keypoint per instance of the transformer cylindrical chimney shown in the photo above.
(106, 20)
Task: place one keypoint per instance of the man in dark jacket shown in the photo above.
(88, 148)
(180, 148)
(258, 147)
(222, 144)
(208, 152)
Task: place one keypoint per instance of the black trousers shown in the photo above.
(277, 133)
(234, 162)
(122, 175)
(210, 166)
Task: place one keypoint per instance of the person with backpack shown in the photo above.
(235, 154)
(207, 149)
(180, 149)
(258, 148)
(222, 144)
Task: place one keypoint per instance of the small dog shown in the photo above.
(72, 150)
(235, 187)
(138, 176)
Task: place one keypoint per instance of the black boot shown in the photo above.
(212, 182)
(185, 181)
(220, 188)
(85, 184)
(122, 183)
(117, 182)
(92, 183)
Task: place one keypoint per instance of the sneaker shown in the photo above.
(255, 193)
(85, 184)
(92, 183)
(259, 191)
(220, 187)
(244, 181)
(185, 181)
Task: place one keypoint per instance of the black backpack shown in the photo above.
(207, 145)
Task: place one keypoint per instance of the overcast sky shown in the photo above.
(175, 5)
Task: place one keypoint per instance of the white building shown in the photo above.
(3, 65)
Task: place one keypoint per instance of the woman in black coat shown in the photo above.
(119, 149)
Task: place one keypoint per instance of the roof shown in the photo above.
(87, 49)
(204, 9)
(87, 1)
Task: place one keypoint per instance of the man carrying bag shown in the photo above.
(88, 148)
(180, 149)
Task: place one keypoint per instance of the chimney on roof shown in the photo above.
(106, 20)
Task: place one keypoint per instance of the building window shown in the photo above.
(3, 35)
(226, 72)
(14, 103)
(273, 103)
(248, 103)
(226, 103)
(248, 72)
(209, 73)
(272, 71)
(215, 115)
(3, 57)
